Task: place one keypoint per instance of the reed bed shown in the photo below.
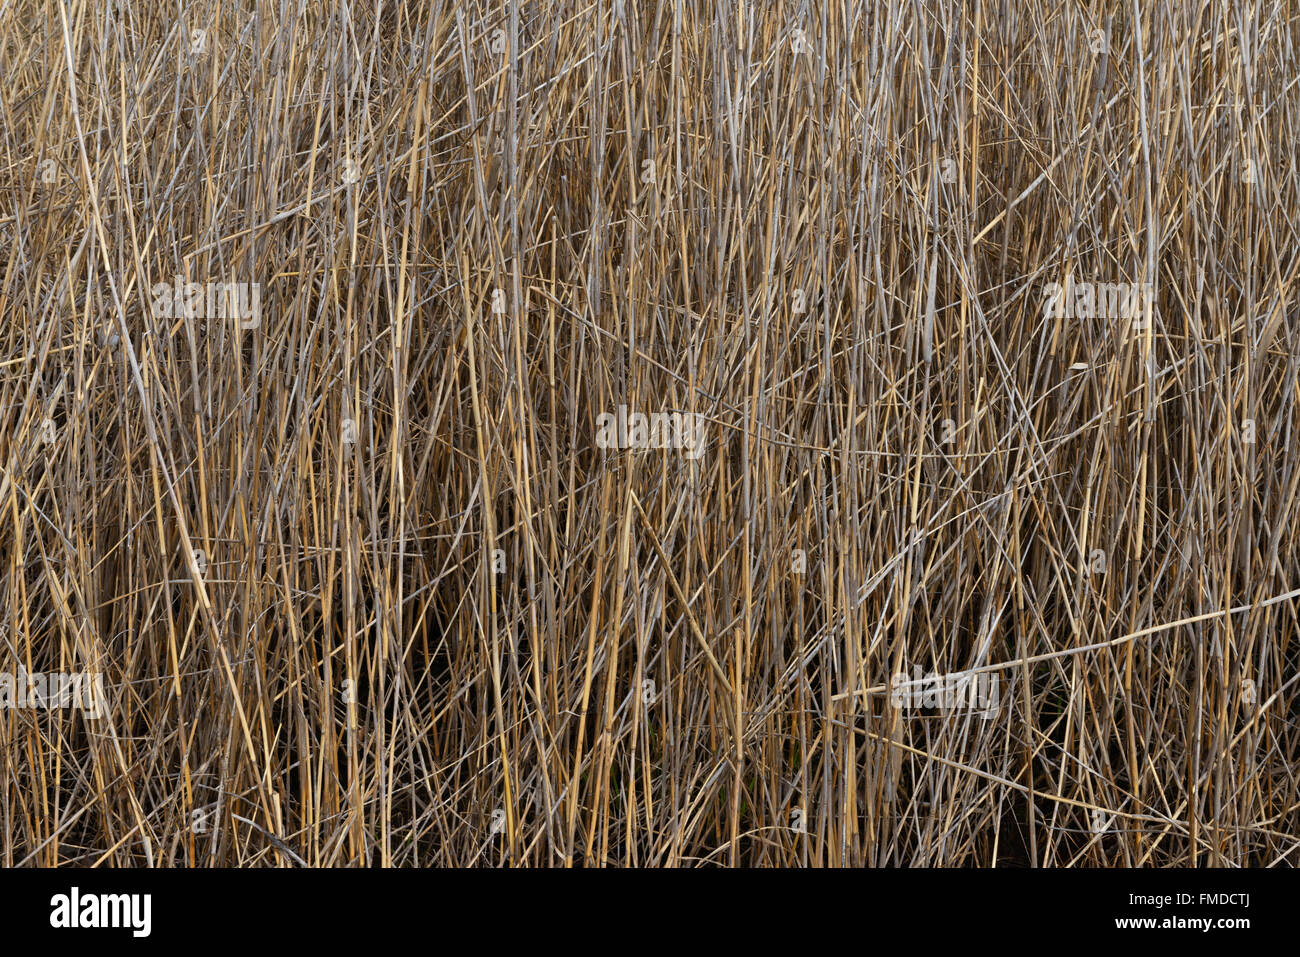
(364, 588)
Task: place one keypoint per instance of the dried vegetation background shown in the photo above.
(827, 227)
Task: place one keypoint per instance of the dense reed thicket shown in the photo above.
(938, 338)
